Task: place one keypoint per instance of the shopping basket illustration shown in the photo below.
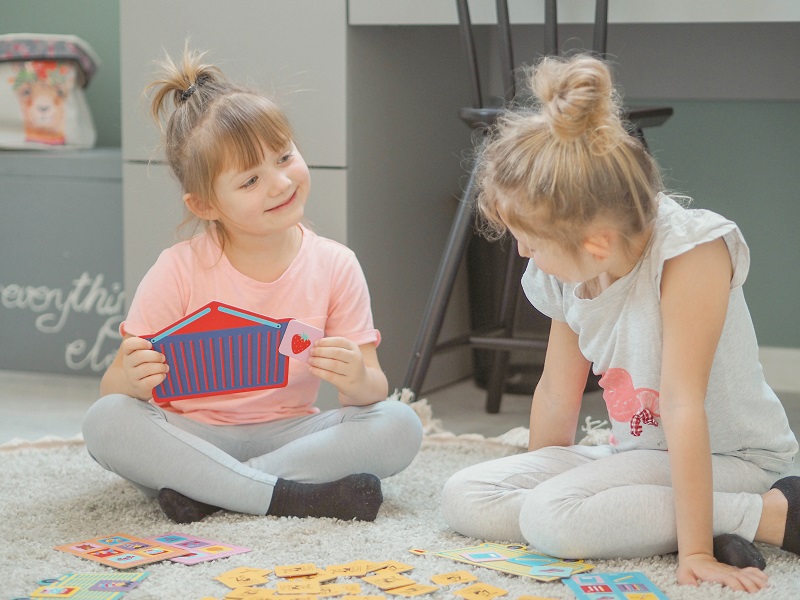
(220, 349)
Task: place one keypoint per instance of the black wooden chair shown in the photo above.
(498, 338)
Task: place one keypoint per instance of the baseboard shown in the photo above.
(781, 368)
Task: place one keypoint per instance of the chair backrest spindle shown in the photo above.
(465, 29)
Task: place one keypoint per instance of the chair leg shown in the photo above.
(498, 373)
(433, 317)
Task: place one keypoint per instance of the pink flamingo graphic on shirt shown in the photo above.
(637, 406)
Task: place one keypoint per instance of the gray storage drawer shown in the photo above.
(61, 284)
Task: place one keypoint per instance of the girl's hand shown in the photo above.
(342, 363)
(696, 568)
(143, 367)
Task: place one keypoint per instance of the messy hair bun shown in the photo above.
(555, 168)
(576, 97)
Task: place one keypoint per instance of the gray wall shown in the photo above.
(732, 143)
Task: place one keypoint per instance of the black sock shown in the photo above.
(736, 551)
(182, 509)
(353, 497)
(790, 487)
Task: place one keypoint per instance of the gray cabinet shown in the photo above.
(61, 291)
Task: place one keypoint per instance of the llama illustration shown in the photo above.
(637, 406)
(42, 87)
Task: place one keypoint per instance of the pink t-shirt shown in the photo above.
(324, 287)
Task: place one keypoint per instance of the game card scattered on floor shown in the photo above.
(517, 560)
(614, 586)
(198, 549)
(122, 551)
(89, 586)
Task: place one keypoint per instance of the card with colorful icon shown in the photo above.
(614, 586)
(517, 560)
(122, 551)
(198, 549)
(298, 340)
(89, 586)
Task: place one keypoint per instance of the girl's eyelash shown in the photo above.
(250, 182)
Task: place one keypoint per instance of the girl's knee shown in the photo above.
(105, 420)
(406, 432)
(546, 524)
(455, 494)
(402, 426)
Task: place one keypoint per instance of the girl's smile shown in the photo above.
(284, 204)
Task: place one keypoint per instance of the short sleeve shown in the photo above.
(350, 310)
(544, 292)
(688, 228)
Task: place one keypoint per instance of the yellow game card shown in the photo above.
(418, 589)
(321, 576)
(306, 587)
(453, 577)
(394, 566)
(243, 577)
(296, 570)
(356, 568)
(388, 581)
(339, 589)
(480, 591)
(536, 598)
(248, 593)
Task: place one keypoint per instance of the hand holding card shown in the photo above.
(299, 339)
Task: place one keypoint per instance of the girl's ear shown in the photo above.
(599, 244)
(200, 208)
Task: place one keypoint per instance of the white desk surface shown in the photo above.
(443, 12)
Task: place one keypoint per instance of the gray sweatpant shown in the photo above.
(593, 502)
(236, 467)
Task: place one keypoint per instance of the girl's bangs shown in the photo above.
(245, 135)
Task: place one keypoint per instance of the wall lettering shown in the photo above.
(55, 306)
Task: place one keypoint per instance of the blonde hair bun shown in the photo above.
(576, 96)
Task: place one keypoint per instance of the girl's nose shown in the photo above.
(278, 185)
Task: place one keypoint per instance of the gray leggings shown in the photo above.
(593, 502)
(236, 466)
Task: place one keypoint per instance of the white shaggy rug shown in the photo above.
(53, 494)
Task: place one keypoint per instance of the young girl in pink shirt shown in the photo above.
(268, 451)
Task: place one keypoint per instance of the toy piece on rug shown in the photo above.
(395, 566)
(89, 586)
(453, 578)
(389, 580)
(416, 589)
(614, 586)
(200, 549)
(122, 551)
(480, 591)
(516, 560)
(220, 349)
(339, 589)
(243, 577)
(297, 570)
(250, 593)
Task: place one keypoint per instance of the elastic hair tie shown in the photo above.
(186, 94)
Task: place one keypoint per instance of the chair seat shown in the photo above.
(639, 116)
